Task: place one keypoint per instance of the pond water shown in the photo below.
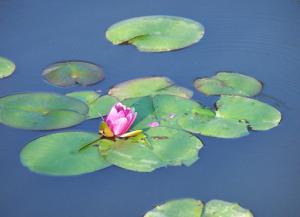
(260, 38)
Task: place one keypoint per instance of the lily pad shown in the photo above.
(145, 111)
(170, 109)
(7, 67)
(132, 154)
(148, 86)
(41, 111)
(156, 33)
(178, 208)
(176, 91)
(214, 127)
(217, 208)
(68, 73)
(228, 83)
(98, 105)
(174, 147)
(259, 115)
(57, 154)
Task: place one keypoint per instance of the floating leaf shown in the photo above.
(170, 109)
(41, 111)
(148, 86)
(7, 67)
(219, 208)
(174, 147)
(259, 115)
(68, 73)
(145, 111)
(58, 154)
(132, 154)
(215, 127)
(176, 91)
(156, 33)
(98, 105)
(177, 208)
(228, 83)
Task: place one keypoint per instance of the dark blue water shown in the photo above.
(259, 37)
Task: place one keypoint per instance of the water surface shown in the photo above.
(259, 37)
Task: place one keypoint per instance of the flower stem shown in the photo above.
(86, 146)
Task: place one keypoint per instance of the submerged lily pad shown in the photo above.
(7, 67)
(98, 105)
(68, 73)
(148, 86)
(41, 111)
(156, 33)
(178, 208)
(57, 154)
(259, 115)
(228, 83)
(217, 208)
(131, 154)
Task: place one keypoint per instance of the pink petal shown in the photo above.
(154, 124)
(131, 118)
(119, 126)
(112, 115)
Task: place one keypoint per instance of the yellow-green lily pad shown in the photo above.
(156, 33)
(219, 208)
(98, 105)
(259, 115)
(147, 86)
(41, 111)
(228, 83)
(178, 208)
(58, 154)
(7, 67)
(64, 74)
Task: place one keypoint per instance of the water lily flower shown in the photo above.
(118, 122)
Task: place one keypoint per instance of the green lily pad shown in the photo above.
(214, 127)
(228, 83)
(145, 111)
(68, 73)
(259, 115)
(41, 111)
(174, 147)
(132, 154)
(177, 208)
(57, 154)
(176, 91)
(98, 105)
(219, 208)
(7, 67)
(148, 86)
(170, 109)
(156, 33)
